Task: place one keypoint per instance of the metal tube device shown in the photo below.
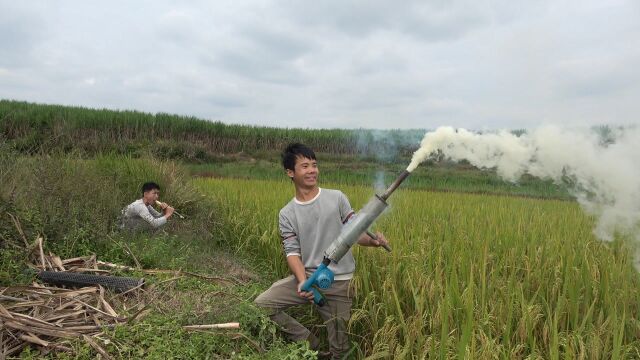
(322, 278)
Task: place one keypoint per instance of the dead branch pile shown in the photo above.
(49, 318)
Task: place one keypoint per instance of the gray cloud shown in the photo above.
(374, 64)
(264, 54)
(20, 33)
(431, 21)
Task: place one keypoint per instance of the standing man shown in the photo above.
(308, 225)
(140, 214)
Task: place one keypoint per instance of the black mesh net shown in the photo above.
(116, 283)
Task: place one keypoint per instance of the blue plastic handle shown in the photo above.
(322, 278)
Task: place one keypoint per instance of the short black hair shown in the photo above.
(292, 151)
(148, 186)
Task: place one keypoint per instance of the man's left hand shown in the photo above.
(380, 241)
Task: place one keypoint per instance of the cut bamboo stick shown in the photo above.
(115, 266)
(34, 340)
(96, 347)
(84, 328)
(5, 297)
(81, 259)
(232, 325)
(55, 260)
(81, 269)
(41, 252)
(26, 304)
(64, 315)
(60, 333)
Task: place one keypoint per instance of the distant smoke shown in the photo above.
(604, 173)
(387, 145)
(377, 144)
(379, 184)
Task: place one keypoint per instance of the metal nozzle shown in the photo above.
(403, 175)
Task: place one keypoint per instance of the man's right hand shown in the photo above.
(305, 294)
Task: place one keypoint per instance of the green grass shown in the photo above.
(471, 275)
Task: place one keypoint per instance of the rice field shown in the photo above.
(471, 276)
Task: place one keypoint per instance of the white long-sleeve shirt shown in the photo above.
(137, 215)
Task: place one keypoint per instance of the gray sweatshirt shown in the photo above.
(137, 215)
(308, 228)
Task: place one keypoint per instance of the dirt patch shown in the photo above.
(225, 264)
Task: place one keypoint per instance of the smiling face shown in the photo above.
(305, 173)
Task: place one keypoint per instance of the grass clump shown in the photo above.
(75, 204)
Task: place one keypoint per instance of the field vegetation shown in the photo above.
(31, 127)
(470, 276)
(480, 268)
(440, 177)
(75, 203)
(355, 157)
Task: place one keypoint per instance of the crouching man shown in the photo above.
(308, 225)
(140, 214)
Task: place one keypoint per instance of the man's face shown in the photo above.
(305, 172)
(151, 196)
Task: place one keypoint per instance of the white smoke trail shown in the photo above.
(605, 178)
(379, 182)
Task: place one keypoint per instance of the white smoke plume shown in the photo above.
(604, 176)
(379, 182)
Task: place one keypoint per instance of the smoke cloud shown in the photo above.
(603, 174)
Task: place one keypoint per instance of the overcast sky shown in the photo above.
(324, 64)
